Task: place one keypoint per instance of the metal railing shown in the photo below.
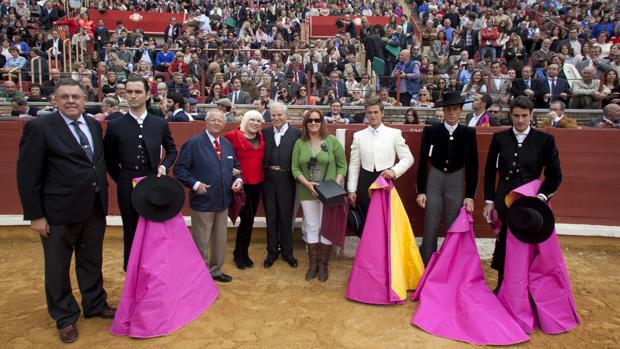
(18, 72)
(67, 56)
(33, 77)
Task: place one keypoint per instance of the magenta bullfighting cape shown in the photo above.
(536, 288)
(455, 301)
(167, 285)
(387, 262)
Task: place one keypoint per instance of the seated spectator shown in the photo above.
(283, 96)
(178, 65)
(552, 88)
(215, 93)
(92, 95)
(454, 84)
(544, 54)
(411, 117)
(335, 114)
(495, 116)
(356, 98)
(588, 93)
(611, 82)
(595, 60)
(475, 85)
(479, 115)
(556, 117)
(424, 99)
(437, 118)
(302, 97)
(386, 100)
(21, 108)
(178, 106)
(178, 85)
(120, 93)
(601, 41)
(609, 119)
(226, 107)
(163, 59)
(36, 94)
(109, 109)
(14, 62)
(9, 91)
(143, 70)
(262, 106)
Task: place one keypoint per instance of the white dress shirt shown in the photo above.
(450, 128)
(521, 135)
(277, 134)
(83, 126)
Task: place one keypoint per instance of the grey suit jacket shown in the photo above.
(242, 98)
(599, 119)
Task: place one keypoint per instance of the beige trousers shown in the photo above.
(209, 233)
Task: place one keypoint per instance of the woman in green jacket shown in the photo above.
(317, 157)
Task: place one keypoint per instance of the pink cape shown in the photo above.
(455, 301)
(536, 288)
(387, 263)
(167, 285)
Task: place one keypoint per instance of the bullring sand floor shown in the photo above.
(276, 308)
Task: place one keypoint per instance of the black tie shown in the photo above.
(527, 83)
(553, 87)
(83, 140)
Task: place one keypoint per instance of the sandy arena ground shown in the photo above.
(277, 308)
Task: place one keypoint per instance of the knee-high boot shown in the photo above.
(313, 255)
(324, 253)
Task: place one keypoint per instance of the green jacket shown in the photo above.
(333, 160)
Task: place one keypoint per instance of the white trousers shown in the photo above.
(313, 211)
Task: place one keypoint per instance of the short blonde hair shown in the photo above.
(250, 114)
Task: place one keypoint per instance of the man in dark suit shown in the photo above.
(314, 65)
(609, 119)
(525, 85)
(196, 67)
(237, 96)
(336, 84)
(173, 30)
(552, 88)
(452, 179)
(101, 35)
(49, 15)
(479, 116)
(279, 186)
(205, 166)
(519, 155)
(177, 85)
(133, 146)
(56, 43)
(335, 114)
(178, 108)
(20, 107)
(61, 177)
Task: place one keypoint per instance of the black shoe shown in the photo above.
(268, 263)
(223, 278)
(248, 262)
(291, 261)
(240, 262)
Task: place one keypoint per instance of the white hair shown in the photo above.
(250, 114)
(213, 112)
(279, 105)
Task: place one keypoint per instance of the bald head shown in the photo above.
(404, 55)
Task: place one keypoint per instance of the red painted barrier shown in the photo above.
(325, 26)
(150, 22)
(589, 194)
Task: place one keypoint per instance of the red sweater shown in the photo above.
(251, 159)
(72, 23)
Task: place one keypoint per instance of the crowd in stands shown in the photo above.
(246, 52)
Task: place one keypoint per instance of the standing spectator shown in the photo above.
(611, 82)
(475, 85)
(407, 74)
(373, 153)
(499, 85)
(172, 31)
(133, 148)
(524, 86)
(279, 186)
(488, 39)
(205, 165)
(249, 146)
(9, 91)
(74, 220)
(552, 88)
(317, 157)
(440, 46)
(49, 15)
(237, 96)
(516, 56)
(542, 55)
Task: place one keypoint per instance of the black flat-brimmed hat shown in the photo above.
(450, 98)
(158, 198)
(530, 220)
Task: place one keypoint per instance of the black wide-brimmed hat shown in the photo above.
(158, 198)
(450, 98)
(530, 220)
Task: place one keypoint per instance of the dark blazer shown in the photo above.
(243, 98)
(449, 155)
(32, 111)
(198, 162)
(518, 87)
(179, 117)
(55, 178)
(287, 142)
(195, 71)
(342, 88)
(121, 144)
(138, 55)
(308, 68)
(182, 89)
(176, 31)
(538, 153)
(542, 88)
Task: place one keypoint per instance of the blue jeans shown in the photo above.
(487, 49)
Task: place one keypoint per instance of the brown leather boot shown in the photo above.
(313, 256)
(324, 253)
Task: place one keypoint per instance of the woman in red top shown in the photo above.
(249, 146)
(178, 65)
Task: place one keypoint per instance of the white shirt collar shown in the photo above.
(140, 118)
(211, 138)
(558, 118)
(177, 111)
(68, 121)
(282, 129)
(450, 128)
(521, 135)
(376, 131)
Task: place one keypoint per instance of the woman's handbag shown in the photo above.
(330, 193)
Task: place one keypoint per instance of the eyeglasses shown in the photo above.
(302, 89)
(314, 121)
(494, 111)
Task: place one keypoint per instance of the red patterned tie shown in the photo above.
(218, 149)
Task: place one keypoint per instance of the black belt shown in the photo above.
(277, 168)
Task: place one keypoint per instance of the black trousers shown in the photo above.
(499, 254)
(130, 217)
(365, 180)
(86, 239)
(247, 214)
(278, 201)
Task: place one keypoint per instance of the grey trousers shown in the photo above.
(444, 194)
(209, 231)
